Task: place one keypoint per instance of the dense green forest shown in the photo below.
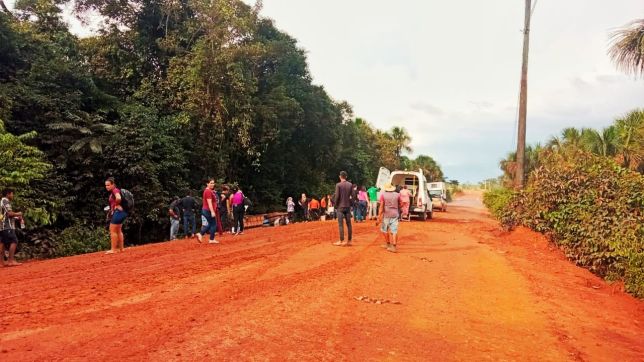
(167, 94)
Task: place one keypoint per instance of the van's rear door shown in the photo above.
(384, 176)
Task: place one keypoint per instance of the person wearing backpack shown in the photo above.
(118, 207)
(8, 217)
(237, 202)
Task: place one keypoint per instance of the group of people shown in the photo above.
(220, 210)
(364, 205)
(225, 208)
(312, 209)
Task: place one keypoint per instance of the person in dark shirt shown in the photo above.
(225, 208)
(343, 202)
(175, 215)
(188, 206)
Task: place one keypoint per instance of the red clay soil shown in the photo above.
(458, 289)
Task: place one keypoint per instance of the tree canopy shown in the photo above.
(167, 94)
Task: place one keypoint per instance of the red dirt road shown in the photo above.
(467, 291)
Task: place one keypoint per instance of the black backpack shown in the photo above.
(127, 200)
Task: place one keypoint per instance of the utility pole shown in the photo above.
(523, 99)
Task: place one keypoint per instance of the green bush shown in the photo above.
(590, 207)
(496, 200)
(80, 239)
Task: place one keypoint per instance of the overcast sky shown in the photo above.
(448, 71)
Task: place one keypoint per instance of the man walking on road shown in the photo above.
(342, 201)
(388, 216)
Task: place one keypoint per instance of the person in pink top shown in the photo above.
(363, 202)
(405, 199)
(237, 202)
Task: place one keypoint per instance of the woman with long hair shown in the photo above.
(117, 217)
(209, 212)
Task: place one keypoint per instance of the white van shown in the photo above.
(438, 191)
(416, 183)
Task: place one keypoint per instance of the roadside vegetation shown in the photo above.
(585, 191)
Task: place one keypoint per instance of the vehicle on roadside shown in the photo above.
(438, 192)
(421, 204)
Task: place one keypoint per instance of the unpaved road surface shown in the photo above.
(458, 289)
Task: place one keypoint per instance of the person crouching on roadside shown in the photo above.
(388, 216)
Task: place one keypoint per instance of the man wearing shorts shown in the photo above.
(8, 237)
(118, 217)
(388, 216)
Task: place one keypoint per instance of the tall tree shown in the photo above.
(402, 140)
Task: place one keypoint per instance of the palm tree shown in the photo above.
(509, 164)
(602, 143)
(570, 137)
(430, 168)
(401, 139)
(630, 140)
(627, 48)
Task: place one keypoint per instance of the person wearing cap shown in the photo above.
(343, 202)
(388, 216)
